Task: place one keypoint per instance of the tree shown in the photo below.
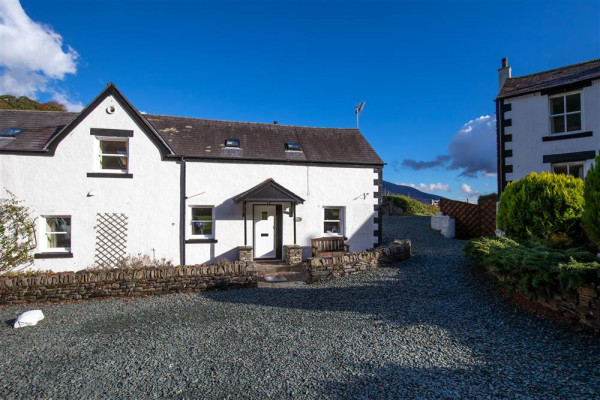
(17, 234)
(9, 102)
(591, 197)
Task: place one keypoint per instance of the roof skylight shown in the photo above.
(232, 142)
(292, 146)
(11, 132)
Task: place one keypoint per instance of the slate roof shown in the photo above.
(204, 139)
(562, 76)
(38, 127)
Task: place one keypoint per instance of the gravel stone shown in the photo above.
(423, 328)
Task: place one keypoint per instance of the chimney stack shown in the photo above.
(504, 72)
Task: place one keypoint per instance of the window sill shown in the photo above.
(564, 136)
(108, 175)
(54, 255)
(191, 241)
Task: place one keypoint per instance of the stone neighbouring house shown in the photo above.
(547, 121)
(109, 181)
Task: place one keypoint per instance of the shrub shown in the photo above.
(410, 206)
(545, 206)
(591, 195)
(532, 267)
(139, 261)
(17, 234)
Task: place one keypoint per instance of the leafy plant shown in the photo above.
(410, 206)
(532, 267)
(591, 195)
(17, 234)
(545, 206)
(132, 262)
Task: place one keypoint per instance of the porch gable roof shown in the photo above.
(268, 190)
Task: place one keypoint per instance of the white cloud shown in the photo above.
(62, 99)
(472, 150)
(473, 147)
(466, 189)
(430, 187)
(31, 55)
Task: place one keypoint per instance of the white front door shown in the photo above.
(264, 231)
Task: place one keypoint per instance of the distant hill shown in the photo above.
(402, 190)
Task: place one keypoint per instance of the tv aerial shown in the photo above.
(357, 110)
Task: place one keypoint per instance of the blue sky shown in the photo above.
(424, 69)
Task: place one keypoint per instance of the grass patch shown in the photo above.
(410, 206)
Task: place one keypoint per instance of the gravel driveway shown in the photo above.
(424, 328)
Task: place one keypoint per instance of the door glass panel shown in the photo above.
(264, 216)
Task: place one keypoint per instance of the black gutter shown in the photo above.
(182, 198)
(499, 145)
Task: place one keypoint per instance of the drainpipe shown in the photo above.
(182, 192)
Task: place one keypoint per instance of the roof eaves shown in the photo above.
(110, 89)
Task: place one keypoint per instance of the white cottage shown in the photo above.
(109, 181)
(548, 121)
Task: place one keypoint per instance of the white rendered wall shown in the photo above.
(530, 116)
(215, 184)
(58, 185)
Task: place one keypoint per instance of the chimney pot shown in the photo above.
(504, 62)
(275, 122)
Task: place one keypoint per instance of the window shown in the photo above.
(202, 222)
(565, 113)
(57, 232)
(573, 169)
(333, 221)
(11, 132)
(114, 154)
(232, 143)
(293, 146)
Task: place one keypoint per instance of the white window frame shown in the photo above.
(99, 154)
(340, 221)
(43, 235)
(565, 113)
(191, 221)
(569, 164)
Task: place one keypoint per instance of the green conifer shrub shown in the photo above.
(591, 195)
(545, 206)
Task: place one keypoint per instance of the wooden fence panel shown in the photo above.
(472, 220)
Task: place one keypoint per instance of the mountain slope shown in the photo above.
(392, 188)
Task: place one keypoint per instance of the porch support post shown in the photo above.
(245, 227)
(294, 213)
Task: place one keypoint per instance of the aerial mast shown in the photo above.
(357, 111)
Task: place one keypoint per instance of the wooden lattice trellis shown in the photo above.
(472, 220)
(111, 238)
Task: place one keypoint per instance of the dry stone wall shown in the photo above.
(326, 268)
(582, 305)
(126, 283)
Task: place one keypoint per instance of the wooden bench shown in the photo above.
(329, 246)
